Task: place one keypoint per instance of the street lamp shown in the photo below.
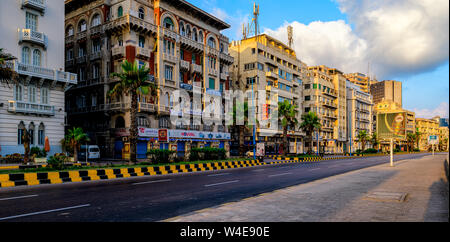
(254, 125)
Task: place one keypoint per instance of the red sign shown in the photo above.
(163, 135)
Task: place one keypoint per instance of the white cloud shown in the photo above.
(441, 110)
(397, 37)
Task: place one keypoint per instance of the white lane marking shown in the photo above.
(314, 169)
(140, 183)
(42, 212)
(333, 166)
(220, 174)
(259, 170)
(11, 198)
(221, 183)
(282, 174)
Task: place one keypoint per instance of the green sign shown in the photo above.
(391, 125)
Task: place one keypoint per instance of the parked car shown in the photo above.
(92, 150)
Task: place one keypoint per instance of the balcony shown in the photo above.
(96, 30)
(169, 83)
(224, 76)
(212, 51)
(30, 108)
(146, 107)
(143, 53)
(131, 21)
(81, 35)
(81, 59)
(33, 37)
(190, 44)
(329, 104)
(184, 65)
(118, 51)
(226, 58)
(170, 58)
(70, 62)
(96, 55)
(272, 75)
(197, 68)
(70, 39)
(43, 73)
(212, 72)
(331, 93)
(38, 5)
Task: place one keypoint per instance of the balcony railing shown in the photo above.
(96, 55)
(224, 75)
(272, 75)
(35, 4)
(212, 72)
(118, 51)
(143, 52)
(170, 58)
(197, 68)
(330, 93)
(132, 21)
(191, 44)
(34, 37)
(30, 108)
(41, 72)
(96, 30)
(226, 57)
(184, 65)
(81, 59)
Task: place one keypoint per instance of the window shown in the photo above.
(94, 100)
(69, 54)
(212, 83)
(261, 66)
(141, 13)
(188, 31)
(44, 95)
(36, 58)
(142, 41)
(31, 21)
(307, 86)
(163, 123)
(182, 30)
(32, 94)
(120, 12)
(82, 26)
(96, 45)
(120, 41)
(20, 132)
(96, 20)
(26, 55)
(41, 134)
(194, 34)
(211, 42)
(18, 92)
(31, 132)
(81, 51)
(168, 72)
(168, 23)
(200, 36)
(95, 71)
(307, 98)
(69, 31)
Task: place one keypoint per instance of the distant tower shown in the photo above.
(290, 36)
(253, 27)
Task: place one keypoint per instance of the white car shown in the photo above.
(92, 150)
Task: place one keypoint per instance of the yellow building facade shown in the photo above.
(426, 127)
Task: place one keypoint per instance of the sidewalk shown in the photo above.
(412, 191)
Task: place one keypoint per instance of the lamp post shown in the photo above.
(254, 125)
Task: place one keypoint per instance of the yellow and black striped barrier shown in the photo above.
(21, 179)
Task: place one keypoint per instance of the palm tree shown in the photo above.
(310, 124)
(418, 136)
(26, 138)
(74, 139)
(133, 82)
(410, 138)
(374, 140)
(287, 113)
(6, 73)
(239, 110)
(362, 138)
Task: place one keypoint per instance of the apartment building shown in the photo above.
(32, 31)
(426, 127)
(361, 80)
(359, 115)
(325, 94)
(185, 51)
(387, 90)
(263, 63)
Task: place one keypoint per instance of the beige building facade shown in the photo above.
(387, 90)
(426, 127)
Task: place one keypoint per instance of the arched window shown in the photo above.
(165, 100)
(141, 13)
(41, 134)
(200, 36)
(26, 55)
(69, 30)
(168, 23)
(120, 122)
(96, 20)
(188, 31)
(31, 132)
(194, 34)
(82, 26)
(211, 42)
(182, 31)
(120, 12)
(36, 57)
(20, 132)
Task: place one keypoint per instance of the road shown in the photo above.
(155, 198)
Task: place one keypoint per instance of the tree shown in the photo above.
(6, 73)
(362, 138)
(240, 112)
(417, 136)
(74, 139)
(133, 81)
(374, 140)
(410, 138)
(310, 123)
(26, 138)
(287, 113)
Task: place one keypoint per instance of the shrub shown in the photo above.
(57, 161)
(207, 153)
(12, 159)
(416, 150)
(370, 151)
(160, 156)
(40, 153)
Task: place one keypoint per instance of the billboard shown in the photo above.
(391, 125)
(433, 140)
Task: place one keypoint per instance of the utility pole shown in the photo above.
(392, 152)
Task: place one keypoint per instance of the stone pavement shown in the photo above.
(412, 191)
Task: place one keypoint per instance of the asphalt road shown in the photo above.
(145, 199)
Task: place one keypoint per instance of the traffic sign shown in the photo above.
(433, 139)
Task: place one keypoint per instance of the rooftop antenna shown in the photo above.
(253, 27)
(290, 38)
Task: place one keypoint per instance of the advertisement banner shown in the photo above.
(391, 125)
(185, 134)
(163, 135)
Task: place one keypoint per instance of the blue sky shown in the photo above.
(418, 57)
